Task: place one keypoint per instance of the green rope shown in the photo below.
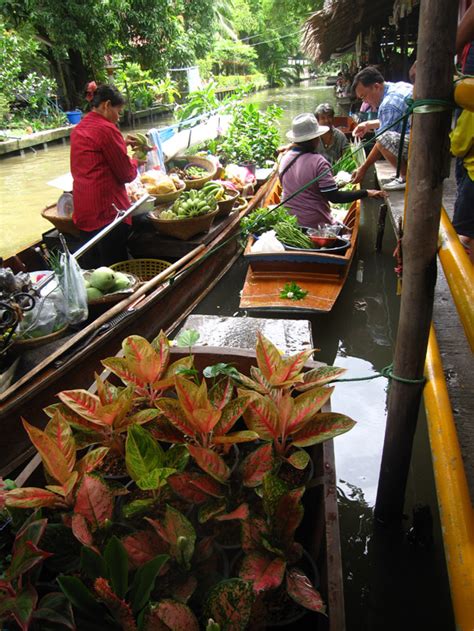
(386, 372)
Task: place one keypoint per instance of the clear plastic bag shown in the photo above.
(47, 316)
(73, 288)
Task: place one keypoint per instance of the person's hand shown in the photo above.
(360, 130)
(131, 140)
(377, 194)
(358, 175)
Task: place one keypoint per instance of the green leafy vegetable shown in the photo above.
(292, 291)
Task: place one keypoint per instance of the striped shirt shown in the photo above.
(100, 167)
(394, 104)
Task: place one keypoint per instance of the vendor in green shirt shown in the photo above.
(334, 142)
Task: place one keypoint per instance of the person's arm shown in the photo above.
(465, 31)
(115, 152)
(363, 128)
(343, 197)
(371, 159)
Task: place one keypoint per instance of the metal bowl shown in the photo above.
(323, 242)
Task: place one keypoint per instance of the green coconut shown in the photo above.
(93, 293)
(102, 278)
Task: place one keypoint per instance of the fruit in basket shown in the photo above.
(102, 278)
(193, 203)
(93, 293)
(122, 281)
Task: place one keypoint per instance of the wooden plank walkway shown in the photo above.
(455, 352)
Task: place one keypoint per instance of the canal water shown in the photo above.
(393, 580)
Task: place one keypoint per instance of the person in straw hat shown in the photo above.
(301, 164)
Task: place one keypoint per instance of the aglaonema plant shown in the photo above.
(150, 466)
(286, 407)
(272, 556)
(19, 599)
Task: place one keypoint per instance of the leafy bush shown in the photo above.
(252, 134)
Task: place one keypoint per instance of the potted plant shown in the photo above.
(98, 553)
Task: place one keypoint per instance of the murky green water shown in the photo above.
(393, 581)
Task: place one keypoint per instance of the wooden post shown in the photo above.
(381, 227)
(429, 158)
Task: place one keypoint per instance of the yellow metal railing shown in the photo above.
(456, 511)
(459, 273)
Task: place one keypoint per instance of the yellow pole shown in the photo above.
(456, 511)
(459, 273)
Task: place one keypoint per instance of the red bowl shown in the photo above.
(323, 242)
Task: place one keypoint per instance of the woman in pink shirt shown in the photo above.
(300, 165)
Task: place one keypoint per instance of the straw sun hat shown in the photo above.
(305, 127)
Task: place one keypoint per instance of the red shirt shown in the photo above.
(100, 167)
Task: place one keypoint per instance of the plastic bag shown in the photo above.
(73, 288)
(267, 242)
(47, 316)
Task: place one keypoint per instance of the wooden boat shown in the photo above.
(158, 304)
(319, 531)
(319, 272)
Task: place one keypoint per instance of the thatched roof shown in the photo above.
(335, 28)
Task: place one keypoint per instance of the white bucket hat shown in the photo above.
(305, 127)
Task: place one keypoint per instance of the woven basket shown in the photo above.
(144, 269)
(39, 341)
(62, 224)
(168, 197)
(204, 163)
(115, 296)
(183, 229)
(226, 205)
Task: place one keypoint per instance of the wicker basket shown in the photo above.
(62, 224)
(183, 229)
(34, 342)
(115, 296)
(144, 269)
(226, 205)
(204, 163)
(168, 197)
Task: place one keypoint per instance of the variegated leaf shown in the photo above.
(80, 529)
(256, 465)
(288, 515)
(172, 411)
(306, 406)
(210, 462)
(269, 359)
(143, 546)
(167, 380)
(300, 589)
(161, 346)
(319, 377)
(253, 530)
(165, 431)
(82, 403)
(105, 390)
(231, 413)
(211, 509)
(120, 367)
(143, 360)
(195, 487)
(140, 418)
(241, 512)
(91, 460)
(261, 416)
(59, 430)
(94, 501)
(170, 615)
(266, 572)
(325, 426)
(299, 459)
(54, 461)
(229, 603)
(233, 438)
(291, 368)
(205, 419)
(221, 393)
(193, 397)
(30, 497)
(249, 384)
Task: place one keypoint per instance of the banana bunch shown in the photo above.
(140, 146)
(216, 188)
(193, 203)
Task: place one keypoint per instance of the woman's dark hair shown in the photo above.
(307, 146)
(367, 76)
(106, 92)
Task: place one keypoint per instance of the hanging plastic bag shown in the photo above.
(47, 316)
(73, 287)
